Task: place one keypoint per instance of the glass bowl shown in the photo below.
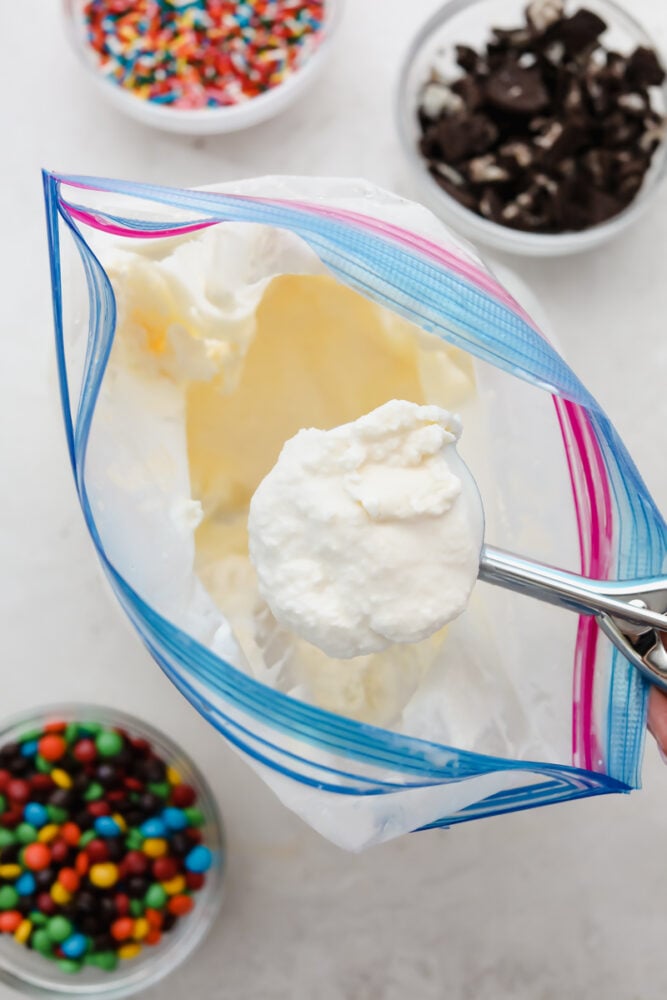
(469, 22)
(203, 121)
(29, 972)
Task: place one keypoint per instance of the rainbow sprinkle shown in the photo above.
(201, 53)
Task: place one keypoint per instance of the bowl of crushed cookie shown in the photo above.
(539, 129)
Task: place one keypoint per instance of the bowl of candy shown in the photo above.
(111, 853)
(535, 129)
(201, 66)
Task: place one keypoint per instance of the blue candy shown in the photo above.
(175, 819)
(106, 826)
(199, 859)
(29, 748)
(75, 945)
(25, 885)
(153, 828)
(35, 814)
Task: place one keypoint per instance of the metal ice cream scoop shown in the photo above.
(632, 613)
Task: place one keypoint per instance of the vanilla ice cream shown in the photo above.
(365, 535)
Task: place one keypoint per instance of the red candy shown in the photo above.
(183, 796)
(99, 808)
(9, 921)
(46, 903)
(85, 751)
(5, 778)
(97, 851)
(52, 747)
(59, 851)
(122, 902)
(41, 782)
(18, 790)
(133, 784)
(37, 856)
(195, 880)
(153, 937)
(164, 868)
(11, 817)
(134, 863)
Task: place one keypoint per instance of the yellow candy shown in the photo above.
(130, 950)
(48, 833)
(10, 871)
(141, 928)
(174, 776)
(59, 894)
(174, 885)
(155, 847)
(103, 875)
(23, 931)
(61, 778)
(120, 820)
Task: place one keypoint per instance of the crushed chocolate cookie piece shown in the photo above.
(544, 130)
(644, 68)
(519, 91)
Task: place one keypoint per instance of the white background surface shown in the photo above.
(569, 901)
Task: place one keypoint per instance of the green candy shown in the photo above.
(134, 840)
(137, 908)
(3, 803)
(37, 918)
(43, 765)
(161, 788)
(7, 838)
(26, 833)
(59, 929)
(90, 728)
(30, 735)
(9, 897)
(195, 816)
(109, 743)
(93, 792)
(156, 897)
(41, 941)
(69, 964)
(107, 960)
(71, 732)
(86, 838)
(57, 815)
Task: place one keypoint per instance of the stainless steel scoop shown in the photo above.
(632, 613)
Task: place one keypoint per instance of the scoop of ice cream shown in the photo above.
(366, 535)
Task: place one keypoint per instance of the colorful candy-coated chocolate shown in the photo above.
(95, 829)
(199, 859)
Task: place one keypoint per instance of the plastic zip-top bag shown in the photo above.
(195, 332)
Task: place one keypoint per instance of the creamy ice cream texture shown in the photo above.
(368, 534)
(250, 336)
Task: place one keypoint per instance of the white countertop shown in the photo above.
(569, 901)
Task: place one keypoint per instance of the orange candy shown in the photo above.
(69, 879)
(180, 905)
(121, 929)
(9, 921)
(82, 863)
(154, 918)
(52, 747)
(36, 856)
(153, 936)
(70, 833)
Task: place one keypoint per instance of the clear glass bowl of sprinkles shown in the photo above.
(201, 67)
(81, 944)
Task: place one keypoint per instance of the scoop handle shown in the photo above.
(578, 593)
